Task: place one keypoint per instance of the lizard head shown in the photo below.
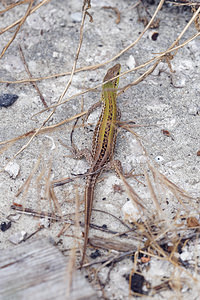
(112, 72)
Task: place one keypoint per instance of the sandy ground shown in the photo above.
(163, 101)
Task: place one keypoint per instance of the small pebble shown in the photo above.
(63, 24)
(76, 17)
(55, 54)
(5, 226)
(12, 168)
(7, 99)
(130, 212)
(53, 147)
(179, 80)
(18, 237)
(184, 289)
(131, 62)
(192, 110)
(186, 255)
(14, 217)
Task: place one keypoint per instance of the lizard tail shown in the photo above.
(89, 196)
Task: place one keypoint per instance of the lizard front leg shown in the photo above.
(92, 108)
(76, 153)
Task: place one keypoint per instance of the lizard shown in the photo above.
(103, 144)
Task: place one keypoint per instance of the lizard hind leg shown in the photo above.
(116, 165)
(83, 153)
(78, 154)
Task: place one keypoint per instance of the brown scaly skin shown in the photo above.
(103, 143)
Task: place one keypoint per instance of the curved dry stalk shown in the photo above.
(94, 67)
(42, 130)
(186, 27)
(26, 184)
(30, 76)
(117, 12)
(18, 21)
(173, 47)
(157, 58)
(130, 191)
(86, 6)
(72, 255)
(18, 28)
(12, 6)
(185, 3)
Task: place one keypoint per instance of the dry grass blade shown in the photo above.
(111, 244)
(85, 12)
(6, 147)
(153, 194)
(157, 58)
(13, 5)
(42, 130)
(127, 127)
(116, 56)
(170, 185)
(72, 256)
(18, 28)
(140, 78)
(116, 10)
(49, 192)
(28, 180)
(113, 216)
(160, 57)
(30, 76)
(42, 214)
(20, 20)
(55, 201)
(133, 195)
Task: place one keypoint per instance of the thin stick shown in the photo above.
(42, 130)
(72, 256)
(12, 6)
(86, 6)
(116, 10)
(30, 76)
(19, 20)
(18, 28)
(42, 214)
(26, 184)
(133, 195)
(94, 67)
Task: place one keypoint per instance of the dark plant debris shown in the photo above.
(137, 282)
